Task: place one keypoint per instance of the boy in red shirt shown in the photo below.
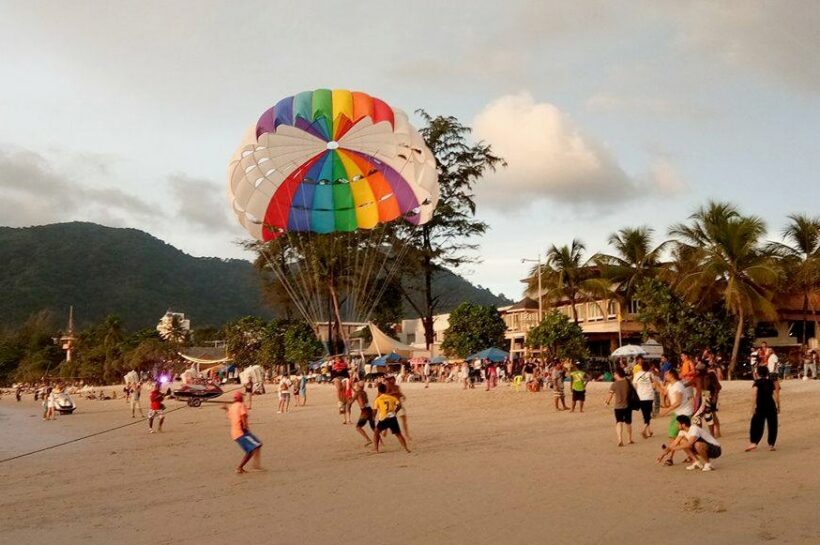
(157, 409)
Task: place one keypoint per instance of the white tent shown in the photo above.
(383, 344)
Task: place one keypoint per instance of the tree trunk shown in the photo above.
(803, 340)
(736, 345)
(427, 319)
(574, 310)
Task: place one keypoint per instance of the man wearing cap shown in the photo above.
(241, 433)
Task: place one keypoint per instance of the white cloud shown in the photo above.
(548, 157)
(776, 40)
(666, 178)
(34, 190)
(201, 202)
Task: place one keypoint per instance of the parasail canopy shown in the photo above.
(331, 161)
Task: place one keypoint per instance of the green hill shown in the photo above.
(104, 270)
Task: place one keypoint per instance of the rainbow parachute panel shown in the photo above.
(331, 161)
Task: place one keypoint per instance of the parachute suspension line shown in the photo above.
(371, 257)
(396, 266)
(283, 279)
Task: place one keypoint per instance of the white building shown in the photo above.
(412, 332)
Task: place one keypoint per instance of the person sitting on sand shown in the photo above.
(701, 446)
(765, 408)
(241, 433)
(386, 406)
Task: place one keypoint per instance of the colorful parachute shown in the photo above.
(331, 161)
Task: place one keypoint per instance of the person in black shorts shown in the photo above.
(386, 407)
(623, 414)
(366, 414)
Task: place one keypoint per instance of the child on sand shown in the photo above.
(578, 385)
(386, 406)
(394, 390)
(365, 414)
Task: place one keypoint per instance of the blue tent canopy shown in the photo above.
(493, 354)
(439, 359)
(384, 360)
(315, 365)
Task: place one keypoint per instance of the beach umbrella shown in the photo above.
(628, 351)
(493, 354)
(384, 360)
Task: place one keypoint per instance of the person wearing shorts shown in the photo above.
(619, 390)
(644, 382)
(365, 412)
(385, 407)
(394, 390)
(241, 433)
(339, 376)
(558, 394)
(578, 385)
(157, 409)
(701, 446)
(680, 403)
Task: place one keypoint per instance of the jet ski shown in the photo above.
(63, 403)
(196, 390)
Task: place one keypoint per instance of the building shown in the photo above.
(605, 324)
(412, 332)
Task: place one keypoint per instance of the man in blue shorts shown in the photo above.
(241, 433)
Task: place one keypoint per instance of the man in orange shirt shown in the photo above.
(241, 433)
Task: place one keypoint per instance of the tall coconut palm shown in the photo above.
(732, 265)
(634, 260)
(568, 276)
(800, 254)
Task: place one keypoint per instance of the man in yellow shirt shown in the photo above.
(386, 406)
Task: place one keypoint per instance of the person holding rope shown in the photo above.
(157, 409)
(241, 433)
(340, 376)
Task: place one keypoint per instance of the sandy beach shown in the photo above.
(486, 467)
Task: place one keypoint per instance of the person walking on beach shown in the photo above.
(578, 385)
(698, 443)
(365, 413)
(284, 394)
(619, 389)
(765, 408)
(680, 403)
(157, 408)
(241, 433)
(810, 364)
(558, 386)
(644, 380)
(386, 406)
(136, 393)
(394, 390)
(426, 373)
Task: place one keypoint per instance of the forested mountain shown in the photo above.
(105, 270)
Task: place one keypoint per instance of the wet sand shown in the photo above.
(486, 468)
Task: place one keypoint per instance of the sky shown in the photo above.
(609, 114)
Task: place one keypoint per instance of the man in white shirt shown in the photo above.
(697, 442)
(681, 403)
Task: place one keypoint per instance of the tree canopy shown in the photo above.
(473, 328)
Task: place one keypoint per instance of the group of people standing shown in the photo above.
(688, 394)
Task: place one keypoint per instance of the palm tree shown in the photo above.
(568, 276)
(800, 256)
(732, 266)
(635, 259)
